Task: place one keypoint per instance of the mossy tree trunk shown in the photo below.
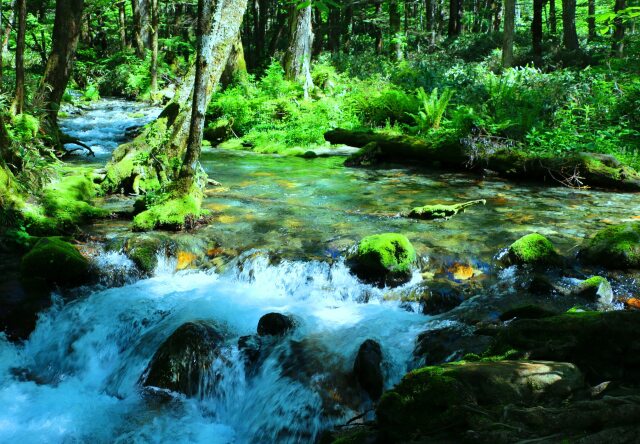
(154, 45)
(236, 67)
(141, 25)
(18, 101)
(155, 157)
(66, 33)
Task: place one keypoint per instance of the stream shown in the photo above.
(288, 223)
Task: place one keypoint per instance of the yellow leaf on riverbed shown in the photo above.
(226, 219)
(218, 207)
(185, 260)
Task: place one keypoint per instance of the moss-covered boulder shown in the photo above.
(532, 249)
(595, 288)
(143, 251)
(55, 261)
(184, 362)
(383, 259)
(453, 396)
(615, 247)
(599, 343)
(174, 211)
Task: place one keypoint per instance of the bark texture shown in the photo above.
(509, 28)
(18, 101)
(297, 59)
(66, 32)
(569, 33)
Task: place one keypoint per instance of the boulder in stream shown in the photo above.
(274, 324)
(184, 362)
(383, 259)
(615, 247)
(595, 288)
(532, 249)
(439, 211)
(367, 368)
(55, 261)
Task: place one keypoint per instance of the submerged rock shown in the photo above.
(274, 324)
(450, 396)
(431, 212)
(383, 259)
(184, 362)
(367, 368)
(532, 249)
(55, 261)
(615, 247)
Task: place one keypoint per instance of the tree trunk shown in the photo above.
(617, 45)
(18, 102)
(455, 8)
(394, 26)
(334, 28)
(346, 27)
(553, 21)
(509, 28)
(200, 96)
(536, 29)
(236, 67)
(497, 16)
(297, 58)
(66, 32)
(141, 25)
(378, 28)
(569, 33)
(154, 45)
(591, 19)
(139, 164)
(123, 25)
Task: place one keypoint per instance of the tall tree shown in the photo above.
(141, 25)
(553, 21)
(536, 28)
(509, 29)
(394, 26)
(591, 19)
(122, 21)
(297, 58)
(66, 32)
(455, 18)
(155, 28)
(21, 12)
(569, 33)
(378, 28)
(617, 45)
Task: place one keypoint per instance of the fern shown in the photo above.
(433, 108)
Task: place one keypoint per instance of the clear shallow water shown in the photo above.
(77, 377)
(102, 124)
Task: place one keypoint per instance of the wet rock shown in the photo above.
(599, 343)
(250, 347)
(615, 247)
(450, 343)
(595, 288)
(55, 261)
(532, 249)
(184, 362)
(440, 297)
(274, 324)
(527, 312)
(367, 368)
(439, 211)
(383, 259)
(143, 251)
(450, 396)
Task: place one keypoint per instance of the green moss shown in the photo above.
(616, 247)
(595, 288)
(25, 127)
(383, 259)
(532, 249)
(143, 251)
(438, 211)
(55, 261)
(174, 211)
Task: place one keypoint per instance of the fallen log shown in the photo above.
(579, 170)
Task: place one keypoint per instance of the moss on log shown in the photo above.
(446, 149)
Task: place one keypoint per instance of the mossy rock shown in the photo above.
(55, 261)
(600, 343)
(143, 251)
(615, 247)
(447, 396)
(174, 211)
(595, 288)
(383, 259)
(532, 249)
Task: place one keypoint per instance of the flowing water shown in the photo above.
(288, 223)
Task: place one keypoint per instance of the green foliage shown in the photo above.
(91, 93)
(433, 108)
(25, 127)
